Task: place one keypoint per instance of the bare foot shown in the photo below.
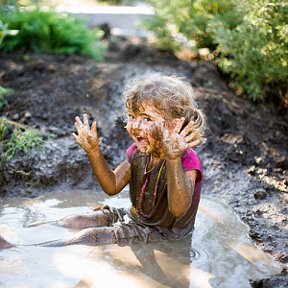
(4, 244)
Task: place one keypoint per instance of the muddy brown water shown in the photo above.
(219, 255)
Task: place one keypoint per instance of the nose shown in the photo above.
(136, 125)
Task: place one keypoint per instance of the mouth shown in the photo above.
(141, 140)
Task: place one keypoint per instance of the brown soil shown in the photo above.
(245, 157)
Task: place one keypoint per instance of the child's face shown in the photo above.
(144, 127)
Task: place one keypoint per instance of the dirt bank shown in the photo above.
(245, 157)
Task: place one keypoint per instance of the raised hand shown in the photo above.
(87, 137)
(175, 142)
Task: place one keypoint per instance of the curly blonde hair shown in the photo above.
(170, 94)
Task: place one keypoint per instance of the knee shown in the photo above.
(94, 236)
(73, 222)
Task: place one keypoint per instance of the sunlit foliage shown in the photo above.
(249, 37)
(49, 32)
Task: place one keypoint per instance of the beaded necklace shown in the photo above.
(155, 192)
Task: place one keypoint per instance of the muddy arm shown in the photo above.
(112, 182)
(180, 187)
(180, 184)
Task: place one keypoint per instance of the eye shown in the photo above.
(147, 119)
(130, 117)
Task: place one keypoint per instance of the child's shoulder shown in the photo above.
(190, 160)
(188, 153)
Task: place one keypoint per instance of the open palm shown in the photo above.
(87, 137)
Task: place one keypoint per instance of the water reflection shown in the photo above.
(221, 254)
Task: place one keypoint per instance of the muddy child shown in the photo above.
(163, 170)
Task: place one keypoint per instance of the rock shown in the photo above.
(56, 131)
(254, 235)
(260, 194)
(15, 117)
(252, 170)
(27, 115)
(258, 160)
(106, 29)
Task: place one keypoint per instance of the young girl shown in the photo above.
(164, 172)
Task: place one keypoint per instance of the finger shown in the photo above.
(86, 120)
(193, 136)
(78, 120)
(94, 128)
(78, 123)
(188, 129)
(179, 125)
(77, 126)
(165, 136)
(193, 144)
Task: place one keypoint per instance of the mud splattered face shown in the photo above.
(144, 127)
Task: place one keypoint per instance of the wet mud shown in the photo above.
(245, 157)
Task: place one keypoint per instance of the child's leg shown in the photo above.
(99, 219)
(103, 216)
(90, 237)
(4, 243)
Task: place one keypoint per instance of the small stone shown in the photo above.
(258, 160)
(260, 194)
(254, 235)
(57, 131)
(16, 117)
(258, 213)
(44, 116)
(73, 146)
(252, 170)
(27, 115)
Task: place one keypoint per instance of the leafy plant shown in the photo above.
(251, 38)
(193, 19)
(3, 130)
(4, 93)
(116, 2)
(22, 142)
(16, 141)
(49, 32)
(256, 53)
(3, 31)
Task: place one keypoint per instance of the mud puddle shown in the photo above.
(221, 254)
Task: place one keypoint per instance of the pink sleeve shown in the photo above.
(190, 161)
(131, 150)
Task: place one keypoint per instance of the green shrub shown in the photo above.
(4, 93)
(3, 31)
(193, 19)
(3, 131)
(113, 2)
(49, 32)
(117, 2)
(256, 53)
(251, 38)
(15, 141)
(22, 142)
